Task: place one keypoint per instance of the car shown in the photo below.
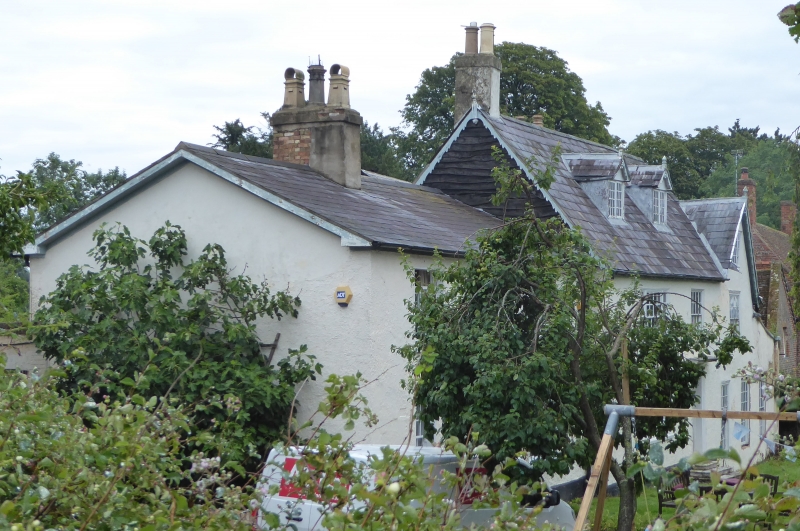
(306, 515)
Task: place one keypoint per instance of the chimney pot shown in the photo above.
(745, 174)
(295, 86)
(471, 47)
(339, 94)
(316, 84)
(538, 119)
(487, 39)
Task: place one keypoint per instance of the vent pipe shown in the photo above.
(316, 84)
(471, 47)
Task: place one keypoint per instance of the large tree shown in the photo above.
(248, 140)
(521, 341)
(534, 80)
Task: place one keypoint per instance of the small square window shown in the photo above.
(616, 199)
(660, 207)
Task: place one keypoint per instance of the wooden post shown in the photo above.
(626, 382)
(601, 496)
(603, 454)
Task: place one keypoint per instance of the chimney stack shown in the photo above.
(788, 213)
(745, 184)
(325, 137)
(478, 73)
(537, 119)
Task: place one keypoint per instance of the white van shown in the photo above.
(306, 515)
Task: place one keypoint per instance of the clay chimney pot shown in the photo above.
(487, 39)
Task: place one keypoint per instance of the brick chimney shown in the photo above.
(746, 182)
(478, 72)
(788, 213)
(325, 137)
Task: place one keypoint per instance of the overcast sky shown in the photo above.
(121, 83)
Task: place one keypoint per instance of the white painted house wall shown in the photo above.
(269, 243)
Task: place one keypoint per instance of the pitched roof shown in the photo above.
(386, 213)
(634, 245)
(592, 168)
(718, 220)
(771, 245)
(646, 175)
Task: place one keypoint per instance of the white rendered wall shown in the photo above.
(269, 243)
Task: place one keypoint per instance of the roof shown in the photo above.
(646, 175)
(592, 168)
(718, 220)
(771, 245)
(634, 246)
(386, 213)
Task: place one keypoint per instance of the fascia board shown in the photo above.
(749, 252)
(348, 239)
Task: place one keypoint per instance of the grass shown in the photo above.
(786, 470)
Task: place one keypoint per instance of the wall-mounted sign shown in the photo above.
(343, 295)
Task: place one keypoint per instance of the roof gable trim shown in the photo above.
(39, 247)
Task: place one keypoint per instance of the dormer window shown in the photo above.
(616, 199)
(660, 207)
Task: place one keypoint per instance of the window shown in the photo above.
(654, 306)
(659, 206)
(422, 279)
(735, 255)
(616, 199)
(697, 306)
(735, 309)
(784, 339)
(762, 406)
(724, 403)
(746, 407)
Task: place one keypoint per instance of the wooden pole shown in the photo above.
(711, 414)
(626, 382)
(601, 496)
(606, 445)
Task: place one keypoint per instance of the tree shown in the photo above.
(379, 154)
(19, 199)
(145, 306)
(653, 145)
(531, 308)
(534, 80)
(790, 15)
(76, 187)
(13, 292)
(252, 140)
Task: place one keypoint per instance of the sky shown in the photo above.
(121, 83)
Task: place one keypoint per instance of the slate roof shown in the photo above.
(770, 245)
(646, 175)
(717, 219)
(387, 212)
(634, 246)
(590, 168)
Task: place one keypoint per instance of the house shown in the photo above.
(312, 220)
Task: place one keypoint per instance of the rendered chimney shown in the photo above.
(471, 47)
(325, 137)
(294, 93)
(537, 119)
(339, 93)
(788, 213)
(745, 182)
(478, 74)
(316, 84)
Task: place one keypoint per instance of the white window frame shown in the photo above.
(696, 311)
(745, 406)
(653, 310)
(725, 404)
(419, 429)
(735, 254)
(659, 207)
(616, 199)
(422, 279)
(735, 308)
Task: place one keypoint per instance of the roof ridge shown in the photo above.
(547, 130)
(242, 156)
(738, 199)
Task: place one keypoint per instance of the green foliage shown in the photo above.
(13, 291)
(790, 15)
(19, 198)
(653, 145)
(72, 463)
(379, 153)
(252, 140)
(533, 81)
(74, 186)
(145, 306)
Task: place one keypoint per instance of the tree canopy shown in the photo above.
(146, 306)
(534, 80)
(248, 140)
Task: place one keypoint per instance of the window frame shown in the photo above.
(616, 199)
(696, 310)
(652, 311)
(724, 398)
(745, 406)
(422, 279)
(762, 406)
(660, 206)
(735, 254)
(734, 309)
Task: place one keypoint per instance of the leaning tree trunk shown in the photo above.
(627, 486)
